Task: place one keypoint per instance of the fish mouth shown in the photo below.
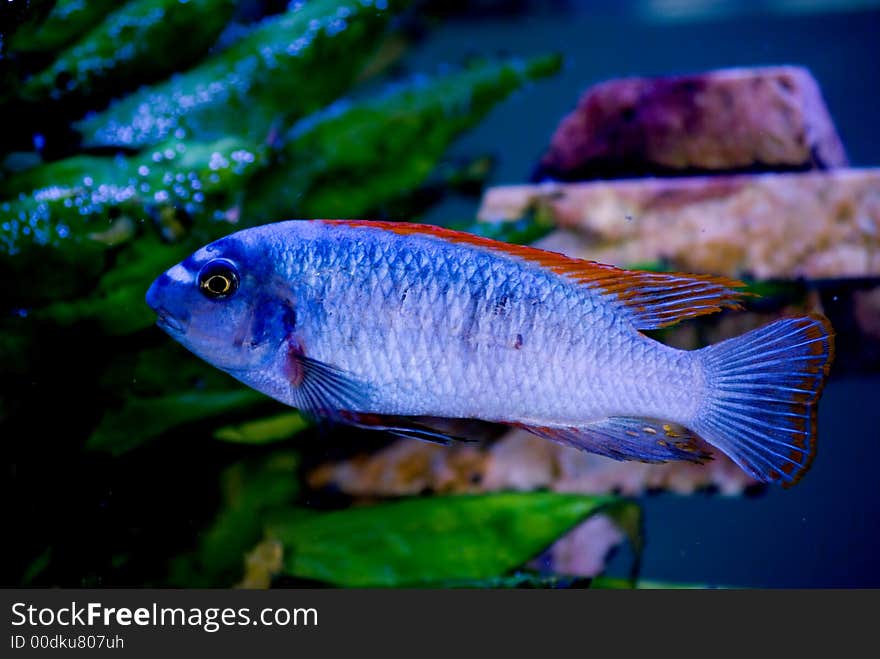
(169, 323)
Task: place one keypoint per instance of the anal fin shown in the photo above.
(629, 438)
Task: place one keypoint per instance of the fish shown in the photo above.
(408, 327)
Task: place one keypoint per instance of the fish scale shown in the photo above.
(434, 359)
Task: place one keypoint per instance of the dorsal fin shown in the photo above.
(653, 299)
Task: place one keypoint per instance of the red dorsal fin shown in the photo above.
(654, 299)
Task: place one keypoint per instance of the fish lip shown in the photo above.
(168, 322)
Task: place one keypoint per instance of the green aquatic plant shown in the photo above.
(156, 128)
(428, 541)
(139, 41)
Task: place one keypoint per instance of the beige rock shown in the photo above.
(810, 224)
(405, 468)
(584, 551)
(261, 564)
(732, 119)
(587, 473)
(517, 461)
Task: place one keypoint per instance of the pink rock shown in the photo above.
(729, 120)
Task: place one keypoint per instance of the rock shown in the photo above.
(585, 550)
(796, 225)
(587, 473)
(261, 564)
(517, 461)
(728, 120)
(405, 468)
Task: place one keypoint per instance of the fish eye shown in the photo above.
(218, 279)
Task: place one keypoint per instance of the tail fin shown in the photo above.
(764, 389)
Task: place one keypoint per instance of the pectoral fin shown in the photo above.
(629, 438)
(322, 390)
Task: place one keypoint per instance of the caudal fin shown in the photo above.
(763, 391)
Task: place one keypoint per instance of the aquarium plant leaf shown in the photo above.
(266, 430)
(616, 583)
(139, 42)
(141, 419)
(354, 156)
(116, 303)
(15, 14)
(251, 488)
(286, 67)
(418, 541)
(70, 209)
(67, 20)
(520, 580)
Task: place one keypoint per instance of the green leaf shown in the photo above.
(435, 539)
(251, 489)
(68, 20)
(80, 199)
(17, 13)
(353, 157)
(286, 67)
(142, 419)
(36, 567)
(117, 302)
(53, 241)
(614, 583)
(521, 580)
(264, 431)
(139, 42)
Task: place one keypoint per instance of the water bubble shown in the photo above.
(217, 161)
(336, 26)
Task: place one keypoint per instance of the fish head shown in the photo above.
(222, 304)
